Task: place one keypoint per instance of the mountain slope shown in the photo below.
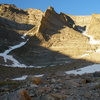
(52, 38)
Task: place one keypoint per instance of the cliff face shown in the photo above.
(14, 22)
(82, 20)
(26, 18)
(52, 37)
(94, 26)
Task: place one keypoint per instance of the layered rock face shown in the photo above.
(94, 26)
(52, 37)
(21, 19)
(82, 20)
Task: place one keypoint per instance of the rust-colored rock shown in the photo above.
(37, 80)
(24, 95)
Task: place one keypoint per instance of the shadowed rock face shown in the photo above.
(51, 35)
(13, 22)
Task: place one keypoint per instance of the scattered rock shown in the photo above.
(96, 74)
(55, 87)
(85, 81)
(57, 96)
(37, 80)
(87, 94)
(24, 95)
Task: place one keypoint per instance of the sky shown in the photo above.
(74, 7)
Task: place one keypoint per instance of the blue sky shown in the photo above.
(74, 7)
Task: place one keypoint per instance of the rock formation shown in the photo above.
(53, 38)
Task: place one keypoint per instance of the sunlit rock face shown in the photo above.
(52, 38)
(94, 26)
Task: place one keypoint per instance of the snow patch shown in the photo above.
(39, 75)
(21, 78)
(10, 57)
(25, 76)
(98, 50)
(92, 40)
(84, 55)
(23, 36)
(88, 69)
(5, 53)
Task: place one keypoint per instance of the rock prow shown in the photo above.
(51, 22)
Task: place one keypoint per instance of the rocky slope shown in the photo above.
(55, 42)
(52, 38)
(58, 86)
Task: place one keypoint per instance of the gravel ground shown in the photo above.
(54, 86)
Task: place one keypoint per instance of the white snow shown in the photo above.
(15, 62)
(10, 57)
(98, 50)
(5, 53)
(86, 54)
(92, 40)
(23, 36)
(88, 69)
(41, 75)
(25, 76)
(21, 78)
